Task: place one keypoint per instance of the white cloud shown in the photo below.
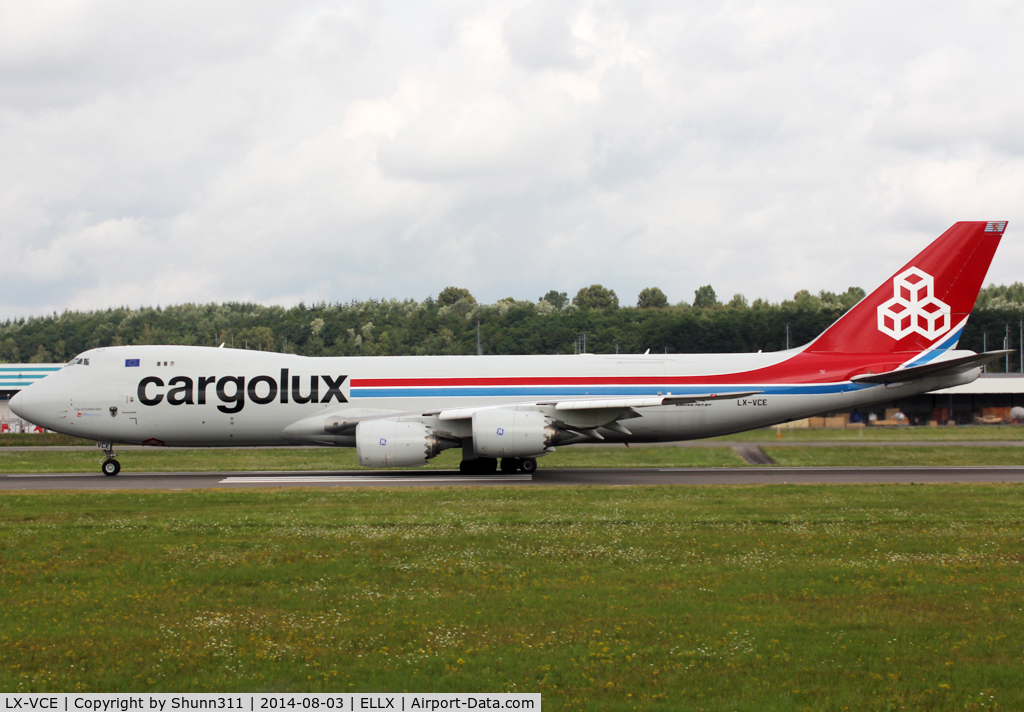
(280, 151)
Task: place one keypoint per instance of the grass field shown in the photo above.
(883, 434)
(895, 456)
(711, 598)
(40, 440)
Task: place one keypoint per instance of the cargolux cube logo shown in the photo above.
(914, 308)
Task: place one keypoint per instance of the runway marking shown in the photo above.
(370, 478)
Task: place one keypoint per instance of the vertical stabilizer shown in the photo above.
(925, 304)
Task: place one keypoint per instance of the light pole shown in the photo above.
(1006, 345)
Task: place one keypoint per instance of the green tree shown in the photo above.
(9, 351)
(41, 356)
(831, 300)
(705, 297)
(556, 299)
(596, 297)
(805, 301)
(652, 298)
(451, 295)
(1000, 296)
(101, 335)
(257, 337)
(738, 301)
(851, 296)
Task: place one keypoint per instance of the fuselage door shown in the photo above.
(129, 410)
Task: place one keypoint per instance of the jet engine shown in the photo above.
(393, 443)
(503, 432)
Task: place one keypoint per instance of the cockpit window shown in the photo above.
(77, 362)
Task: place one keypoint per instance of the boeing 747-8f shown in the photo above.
(400, 411)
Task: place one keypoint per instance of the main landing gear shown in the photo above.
(488, 465)
(519, 464)
(110, 466)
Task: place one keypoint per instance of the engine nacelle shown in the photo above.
(393, 443)
(503, 432)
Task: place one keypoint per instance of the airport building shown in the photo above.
(989, 399)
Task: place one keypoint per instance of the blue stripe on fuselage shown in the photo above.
(549, 391)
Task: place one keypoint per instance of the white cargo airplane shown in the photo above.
(400, 411)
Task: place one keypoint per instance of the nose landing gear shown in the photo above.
(110, 466)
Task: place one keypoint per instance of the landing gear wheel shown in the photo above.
(509, 464)
(528, 465)
(111, 467)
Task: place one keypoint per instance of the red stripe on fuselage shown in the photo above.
(801, 368)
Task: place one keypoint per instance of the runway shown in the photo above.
(552, 477)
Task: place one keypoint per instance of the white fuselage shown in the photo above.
(187, 395)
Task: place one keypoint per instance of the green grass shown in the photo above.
(665, 598)
(40, 440)
(883, 434)
(895, 456)
(240, 460)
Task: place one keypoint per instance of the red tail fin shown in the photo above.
(926, 303)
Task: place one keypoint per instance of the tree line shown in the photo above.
(449, 324)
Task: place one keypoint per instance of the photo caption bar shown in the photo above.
(350, 702)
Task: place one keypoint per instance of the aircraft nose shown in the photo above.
(15, 404)
(38, 403)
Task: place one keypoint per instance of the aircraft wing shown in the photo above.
(587, 413)
(643, 401)
(620, 403)
(953, 365)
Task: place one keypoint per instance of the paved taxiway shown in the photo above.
(435, 478)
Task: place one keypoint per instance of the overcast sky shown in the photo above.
(159, 153)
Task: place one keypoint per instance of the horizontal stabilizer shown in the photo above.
(964, 363)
